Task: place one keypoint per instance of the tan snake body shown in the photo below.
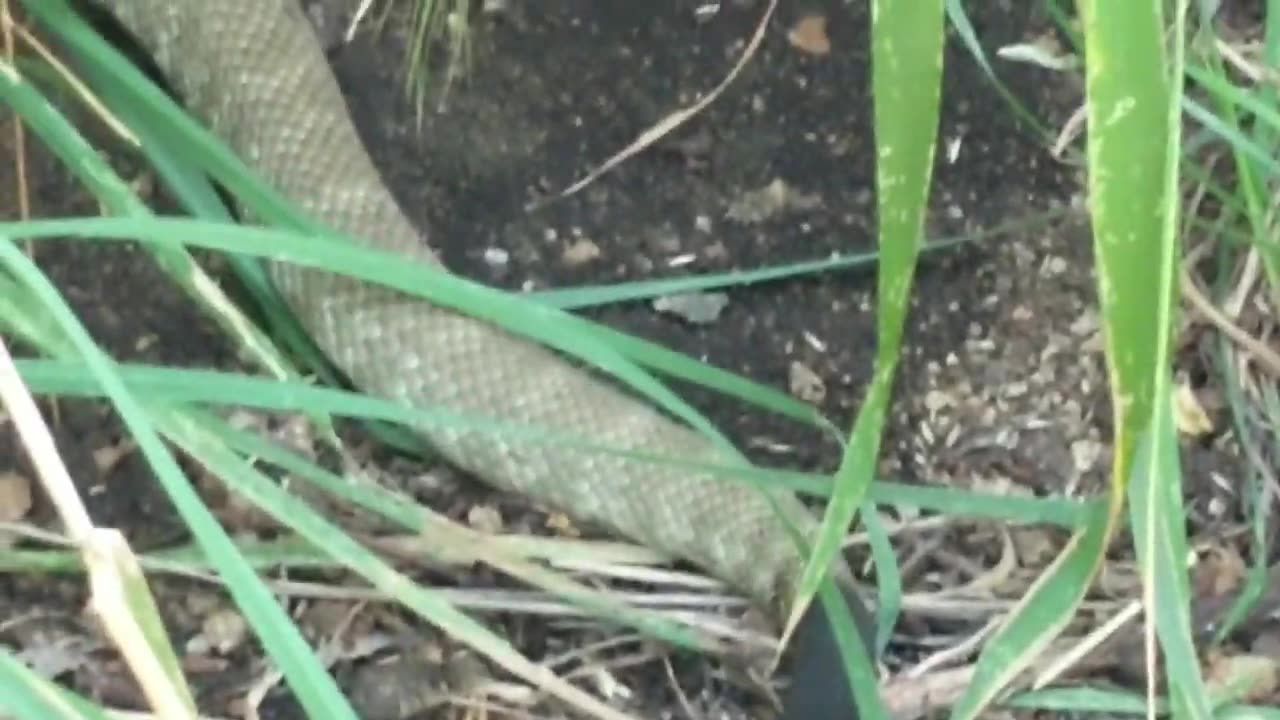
(255, 73)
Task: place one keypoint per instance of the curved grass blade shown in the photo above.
(181, 386)
(597, 295)
(1135, 119)
(960, 21)
(27, 696)
(264, 202)
(91, 169)
(208, 450)
(1039, 617)
(282, 640)
(907, 44)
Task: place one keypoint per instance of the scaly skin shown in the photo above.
(252, 70)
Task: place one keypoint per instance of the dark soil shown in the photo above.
(1002, 385)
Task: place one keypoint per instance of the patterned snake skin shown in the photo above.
(254, 71)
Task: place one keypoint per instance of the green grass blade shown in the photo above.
(1160, 538)
(265, 494)
(173, 386)
(907, 43)
(1034, 623)
(281, 639)
(598, 295)
(1135, 118)
(115, 194)
(414, 518)
(24, 695)
(960, 21)
(263, 202)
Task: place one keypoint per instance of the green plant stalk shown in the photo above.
(1135, 133)
(906, 68)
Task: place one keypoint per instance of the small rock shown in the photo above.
(465, 673)
(1267, 643)
(496, 257)
(485, 518)
(805, 383)
(1258, 676)
(581, 252)
(936, 400)
(696, 308)
(1085, 453)
(562, 525)
(15, 496)
(1188, 414)
(224, 631)
(715, 251)
(1035, 546)
(761, 204)
(405, 687)
(322, 619)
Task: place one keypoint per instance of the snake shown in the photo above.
(254, 72)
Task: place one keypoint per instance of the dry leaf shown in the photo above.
(1188, 414)
(810, 35)
(1252, 678)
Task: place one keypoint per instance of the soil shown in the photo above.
(1002, 385)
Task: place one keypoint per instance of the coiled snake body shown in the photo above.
(254, 71)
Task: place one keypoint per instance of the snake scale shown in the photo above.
(254, 71)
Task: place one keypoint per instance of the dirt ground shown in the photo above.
(1002, 386)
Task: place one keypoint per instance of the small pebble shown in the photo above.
(696, 308)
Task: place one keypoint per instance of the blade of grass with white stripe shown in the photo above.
(1040, 615)
(1072, 701)
(1134, 145)
(574, 298)
(1127, 105)
(1248, 712)
(906, 70)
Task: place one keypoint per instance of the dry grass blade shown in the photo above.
(119, 594)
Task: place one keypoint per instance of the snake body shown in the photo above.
(255, 73)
